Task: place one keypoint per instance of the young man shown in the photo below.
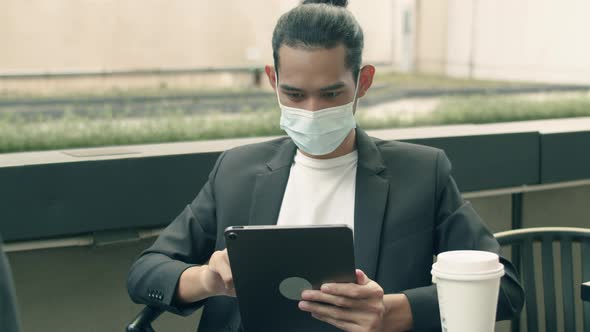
(399, 198)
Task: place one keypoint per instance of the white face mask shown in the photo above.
(318, 132)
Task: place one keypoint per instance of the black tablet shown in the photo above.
(272, 265)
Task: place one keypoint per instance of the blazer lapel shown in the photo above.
(370, 204)
(270, 186)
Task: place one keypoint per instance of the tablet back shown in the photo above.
(271, 265)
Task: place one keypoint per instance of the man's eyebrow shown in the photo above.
(336, 86)
(290, 88)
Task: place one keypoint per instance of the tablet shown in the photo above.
(272, 265)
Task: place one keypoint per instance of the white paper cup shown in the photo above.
(468, 284)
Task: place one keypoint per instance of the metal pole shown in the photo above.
(517, 199)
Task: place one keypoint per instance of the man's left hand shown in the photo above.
(351, 307)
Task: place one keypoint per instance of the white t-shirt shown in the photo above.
(320, 192)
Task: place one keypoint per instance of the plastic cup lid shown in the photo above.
(467, 262)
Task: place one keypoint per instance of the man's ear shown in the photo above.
(366, 79)
(270, 73)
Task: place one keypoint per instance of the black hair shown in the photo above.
(320, 24)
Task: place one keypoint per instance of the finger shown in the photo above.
(354, 291)
(339, 301)
(224, 271)
(361, 277)
(227, 277)
(227, 262)
(225, 255)
(343, 325)
(341, 314)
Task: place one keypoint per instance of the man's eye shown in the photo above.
(294, 95)
(332, 94)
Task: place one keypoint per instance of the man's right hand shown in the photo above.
(200, 282)
(217, 276)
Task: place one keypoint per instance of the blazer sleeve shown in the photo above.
(459, 227)
(188, 241)
(9, 321)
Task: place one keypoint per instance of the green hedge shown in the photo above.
(106, 129)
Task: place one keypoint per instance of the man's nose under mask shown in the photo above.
(318, 132)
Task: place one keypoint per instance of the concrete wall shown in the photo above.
(107, 36)
(529, 40)
(460, 27)
(404, 34)
(121, 35)
(117, 35)
(431, 36)
(375, 17)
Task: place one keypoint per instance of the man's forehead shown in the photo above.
(313, 68)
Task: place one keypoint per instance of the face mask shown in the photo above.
(318, 132)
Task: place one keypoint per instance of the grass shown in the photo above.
(105, 129)
(74, 131)
(489, 109)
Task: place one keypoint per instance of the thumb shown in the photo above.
(361, 278)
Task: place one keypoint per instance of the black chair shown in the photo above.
(522, 243)
(143, 321)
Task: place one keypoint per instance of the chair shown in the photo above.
(522, 243)
(143, 321)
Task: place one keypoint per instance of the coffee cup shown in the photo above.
(468, 284)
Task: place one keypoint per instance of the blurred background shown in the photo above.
(80, 74)
(95, 73)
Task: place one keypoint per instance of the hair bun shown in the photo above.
(337, 3)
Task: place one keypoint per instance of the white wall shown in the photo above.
(460, 27)
(431, 36)
(404, 34)
(531, 40)
(376, 19)
(66, 35)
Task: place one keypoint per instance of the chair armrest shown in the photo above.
(586, 291)
(143, 321)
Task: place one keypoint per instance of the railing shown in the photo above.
(101, 196)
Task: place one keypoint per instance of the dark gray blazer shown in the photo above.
(8, 312)
(407, 209)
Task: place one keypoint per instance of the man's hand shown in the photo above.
(350, 307)
(217, 277)
(200, 282)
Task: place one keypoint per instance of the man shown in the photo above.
(399, 198)
(8, 312)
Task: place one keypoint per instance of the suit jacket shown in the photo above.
(8, 313)
(407, 209)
